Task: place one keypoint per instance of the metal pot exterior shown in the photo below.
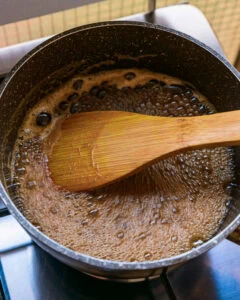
(128, 44)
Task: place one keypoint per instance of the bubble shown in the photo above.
(152, 222)
(177, 98)
(148, 104)
(147, 255)
(27, 130)
(72, 97)
(84, 222)
(14, 185)
(129, 76)
(153, 82)
(120, 235)
(53, 210)
(63, 105)
(25, 161)
(188, 93)
(68, 195)
(75, 107)
(228, 203)
(21, 171)
(43, 119)
(78, 84)
(17, 155)
(142, 236)
(197, 243)
(133, 259)
(31, 184)
(93, 212)
(101, 94)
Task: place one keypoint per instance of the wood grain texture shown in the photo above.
(99, 147)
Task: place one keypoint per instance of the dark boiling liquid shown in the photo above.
(175, 204)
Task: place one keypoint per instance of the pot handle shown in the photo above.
(235, 236)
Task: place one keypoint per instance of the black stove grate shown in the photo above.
(2, 297)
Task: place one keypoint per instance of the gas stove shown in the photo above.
(29, 273)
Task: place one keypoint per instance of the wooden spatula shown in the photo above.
(97, 148)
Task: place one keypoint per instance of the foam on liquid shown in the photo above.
(166, 209)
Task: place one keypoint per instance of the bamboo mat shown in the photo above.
(224, 16)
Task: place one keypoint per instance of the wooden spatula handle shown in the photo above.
(221, 129)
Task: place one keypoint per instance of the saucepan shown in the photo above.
(125, 44)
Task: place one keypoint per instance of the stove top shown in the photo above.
(27, 272)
